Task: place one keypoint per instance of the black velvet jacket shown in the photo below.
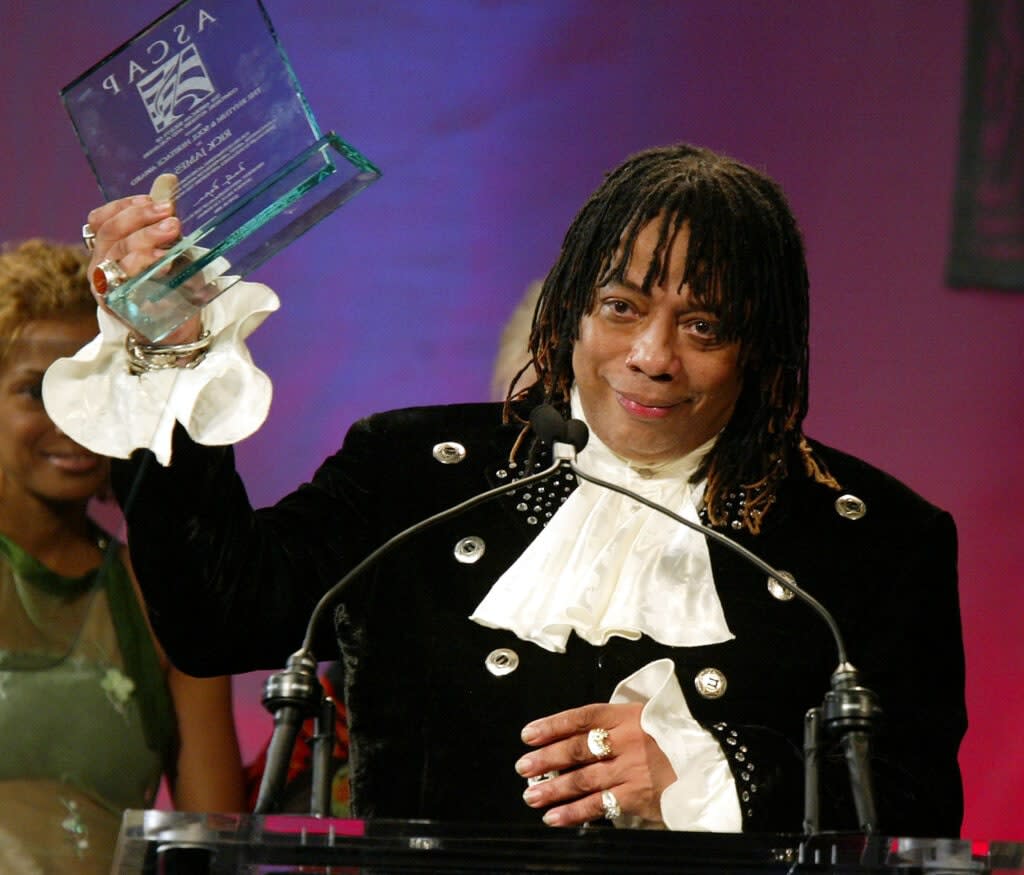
(435, 731)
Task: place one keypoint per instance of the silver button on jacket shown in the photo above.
(849, 507)
(502, 661)
(449, 452)
(469, 550)
(710, 683)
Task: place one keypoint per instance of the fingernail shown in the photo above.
(530, 733)
(168, 224)
(530, 795)
(523, 766)
(552, 818)
(162, 207)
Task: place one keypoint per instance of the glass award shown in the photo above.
(206, 93)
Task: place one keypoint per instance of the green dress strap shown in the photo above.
(141, 659)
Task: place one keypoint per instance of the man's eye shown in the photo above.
(618, 307)
(706, 329)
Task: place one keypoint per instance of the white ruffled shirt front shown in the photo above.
(607, 565)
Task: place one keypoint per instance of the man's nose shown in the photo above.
(654, 351)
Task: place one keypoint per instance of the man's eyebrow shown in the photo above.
(625, 283)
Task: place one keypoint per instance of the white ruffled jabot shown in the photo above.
(606, 565)
(95, 400)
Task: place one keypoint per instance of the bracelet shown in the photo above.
(144, 357)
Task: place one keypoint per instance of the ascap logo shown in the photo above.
(157, 52)
(175, 88)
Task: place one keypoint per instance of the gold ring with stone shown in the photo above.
(107, 276)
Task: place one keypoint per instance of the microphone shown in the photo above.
(549, 425)
(295, 693)
(849, 709)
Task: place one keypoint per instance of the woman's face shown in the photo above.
(656, 379)
(38, 460)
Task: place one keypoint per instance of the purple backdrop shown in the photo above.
(493, 120)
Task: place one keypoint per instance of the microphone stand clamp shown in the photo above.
(291, 696)
(851, 713)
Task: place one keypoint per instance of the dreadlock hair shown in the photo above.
(745, 262)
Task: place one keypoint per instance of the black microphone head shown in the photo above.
(548, 424)
(577, 434)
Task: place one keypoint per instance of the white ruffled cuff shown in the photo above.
(703, 797)
(95, 400)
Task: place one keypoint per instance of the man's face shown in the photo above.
(655, 379)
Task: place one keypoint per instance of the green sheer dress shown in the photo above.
(86, 720)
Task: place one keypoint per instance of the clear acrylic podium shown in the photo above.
(177, 843)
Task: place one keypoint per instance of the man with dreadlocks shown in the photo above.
(564, 652)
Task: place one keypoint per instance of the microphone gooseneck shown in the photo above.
(560, 458)
(785, 580)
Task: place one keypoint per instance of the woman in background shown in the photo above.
(92, 715)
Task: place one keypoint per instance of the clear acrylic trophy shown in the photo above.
(207, 93)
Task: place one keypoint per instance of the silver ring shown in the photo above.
(88, 236)
(107, 276)
(540, 779)
(610, 805)
(597, 742)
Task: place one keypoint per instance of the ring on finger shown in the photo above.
(88, 236)
(598, 744)
(610, 805)
(107, 275)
